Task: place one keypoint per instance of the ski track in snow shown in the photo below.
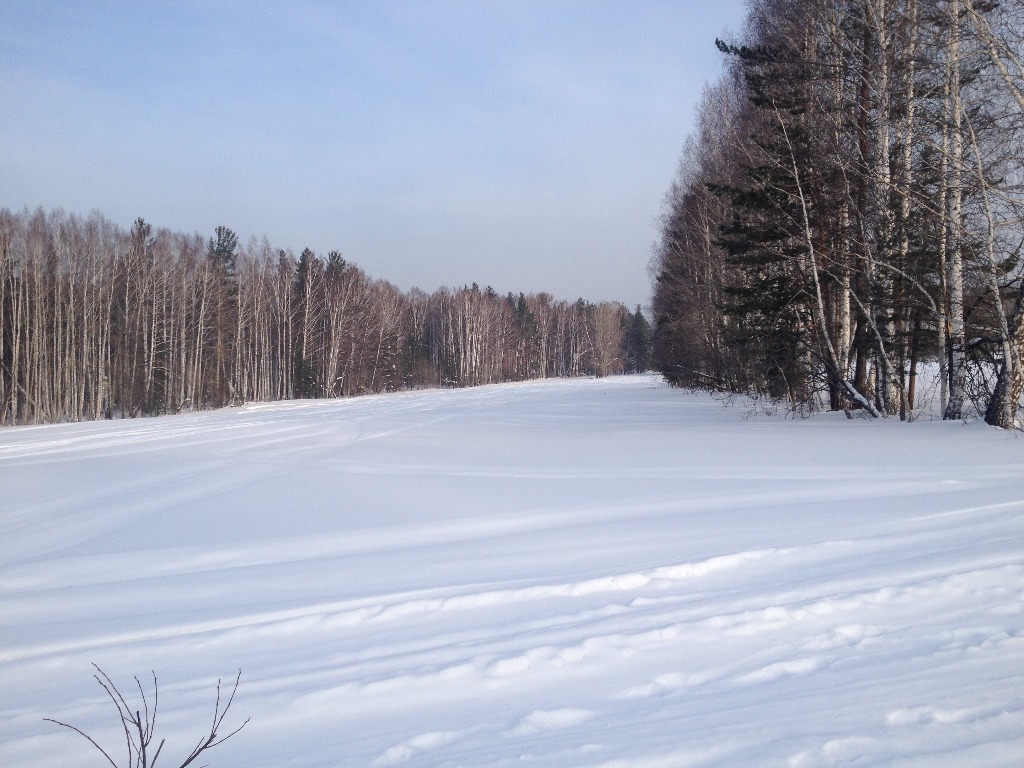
(565, 573)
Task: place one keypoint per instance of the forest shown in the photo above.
(97, 322)
(849, 209)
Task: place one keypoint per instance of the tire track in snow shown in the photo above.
(403, 606)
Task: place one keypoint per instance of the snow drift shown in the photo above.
(562, 573)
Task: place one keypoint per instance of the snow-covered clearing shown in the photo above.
(562, 573)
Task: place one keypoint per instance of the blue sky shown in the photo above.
(525, 145)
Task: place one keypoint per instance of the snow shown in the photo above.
(561, 573)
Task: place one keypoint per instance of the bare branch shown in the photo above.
(87, 736)
(142, 722)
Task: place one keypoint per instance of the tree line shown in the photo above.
(850, 207)
(97, 322)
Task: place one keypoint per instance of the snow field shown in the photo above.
(562, 573)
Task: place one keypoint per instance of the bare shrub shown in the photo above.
(139, 724)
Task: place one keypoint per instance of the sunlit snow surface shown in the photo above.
(563, 573)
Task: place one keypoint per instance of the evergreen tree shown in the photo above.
(636, 342)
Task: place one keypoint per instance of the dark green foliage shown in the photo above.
(222, 249)
(636, 342)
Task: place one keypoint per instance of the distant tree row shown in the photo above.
(96, 322)
(851, 206)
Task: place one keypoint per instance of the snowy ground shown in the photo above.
(563, 573)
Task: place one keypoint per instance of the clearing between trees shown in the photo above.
(590, 572)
